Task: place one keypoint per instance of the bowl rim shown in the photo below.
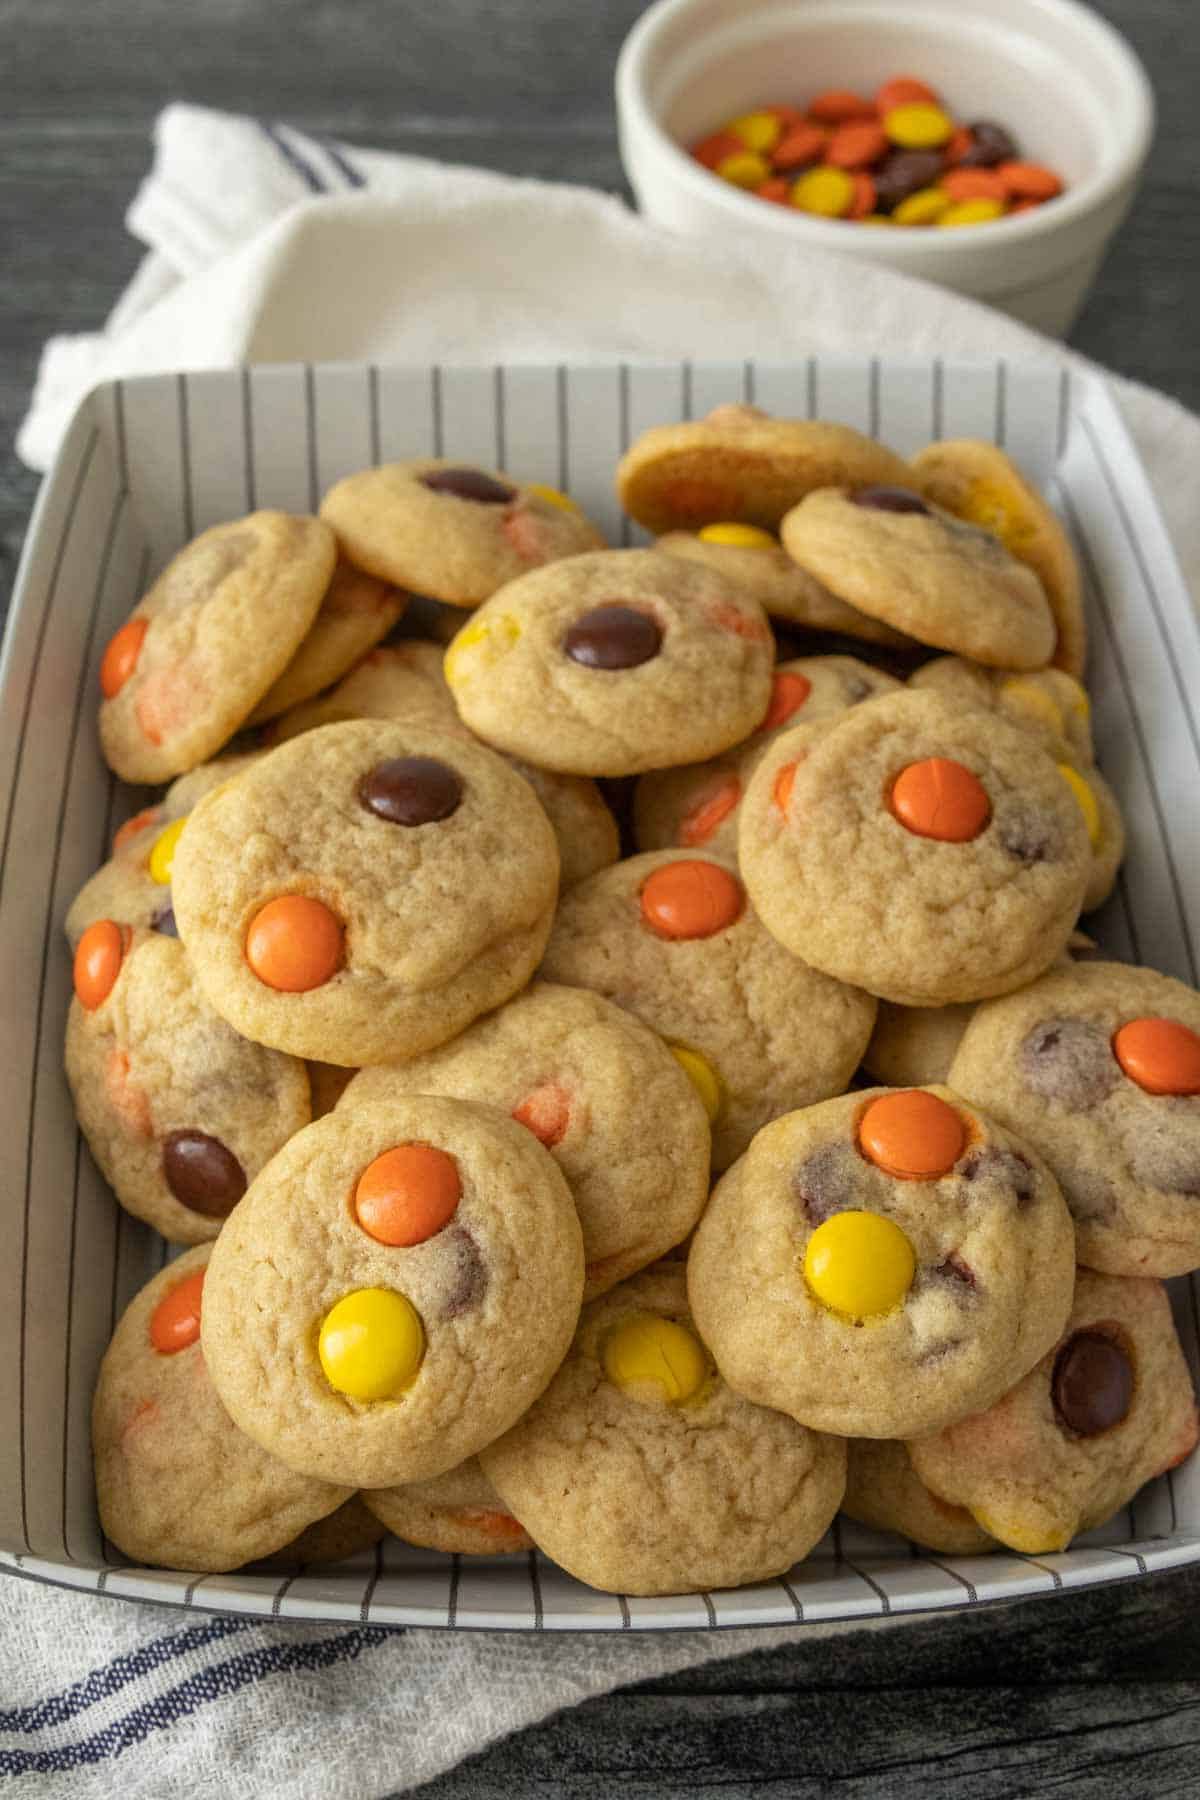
(1120, 168)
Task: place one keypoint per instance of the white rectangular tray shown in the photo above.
(148, 463)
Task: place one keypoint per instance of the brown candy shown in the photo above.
(613, 637)
(1070, 1061)
(411, 790)
(469, 484)
(1092, 1384)
(904, 173)
(164, 922)
(990, 144)
(824, 1182)
(202, 1174)
(469, 1281)
(889, 499)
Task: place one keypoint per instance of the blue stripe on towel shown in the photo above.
(299, 165)
(98, 1684)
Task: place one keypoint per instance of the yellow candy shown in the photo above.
(744, 169)
(1028, 697)
(702, 1076)
(552, 496)
(825, 191)
(371, 1344)
(1081, 706)
(921, 208)
(859, 1264)
(1019, 1536)
(757, 130)
(972, 212)
(651, 1358)
(988, 504)
(482, 640)
(918, 127)
(162, 856)
(876, 219)
(742, 537)
(1087, 802)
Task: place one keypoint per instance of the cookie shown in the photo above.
(739, 464)
(755, 560)
(452, 532)
(883, 1264)
(363, 892)
(1098, 1066)
(1106, 1410)
(697, 806)
(178, 1484)
(394, 1290)
(459, 1512)
(674, 939)
(884, 1491)
(614, 663)
(641, 1472)
(896, 557)
(914, 1046)
(179, 1111)
(350, 1530)
(915, 849)
(605, 1096)
(356, 612)
(199, 651)
(134, 885)
(978, 482)
(1106, 833)
(1048, 703)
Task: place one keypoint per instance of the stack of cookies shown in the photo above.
(508, 889)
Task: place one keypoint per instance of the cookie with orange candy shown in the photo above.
(1098, 1066)
(179, 1110)
(674, 938)
(363, 892)
(697, 805)
(357, 610)
(459, 1512)
(884, 1491)
(640, 1471)
(178, 1484)
(615, 1108)
(394, 1290)
(202, 647)
(882, 1264)
(1108, 1408)
(451, 530)
(915, 849)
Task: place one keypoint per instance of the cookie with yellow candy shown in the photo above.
(1105, 829)
(740, 465)
(178, 1485)
(357, 611)
(641, 1472)
(882, 1264)
(394, 1291)
(673, 937)
(459, 1512)
(884, 1491)
(979, 483)
(1049, 704)
(451, 530)
(1109, 1407)
(615, 1108)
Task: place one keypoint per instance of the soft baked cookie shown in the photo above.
(1106, 1410)
(674, 939)
(1098, 1066)
(979, 483)
(641, 1472)
(346, 1532)
(698, 804)
(884, 1491)
(741, 464)
(179, 1111)
(615, 1108)
(459, 1512)
(882, 1264)
(1106, 833)
(394, 1290)
(177, 1483)
(754, 559)
(364, 891)
(914, 1046)
(357, 611)
(1048, 703)
(453, 532)
(614, 663)
(200, 650)
(915, 848)
(900, 559)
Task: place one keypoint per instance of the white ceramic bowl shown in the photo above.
(1069, 88)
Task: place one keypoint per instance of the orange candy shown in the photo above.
(120, 658)
(1161, 1055)
(294, 943)
(803, 143)
(973, 184)
(863, 202)
(175, 1321)
(1029, 181)
(911, 1135)
(940, 799)
(407, 1195)
(148, 816)
(856, 145)
(904, 90)
(712, 150)
(691, 899)
(710, 812)
(955, 148)
(98, 958)
(789, 691)
(546, 1112)
(787, 115)
(836, 105)
(778, 188)
(785, 781)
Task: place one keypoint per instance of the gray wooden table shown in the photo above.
(1092, 1695)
